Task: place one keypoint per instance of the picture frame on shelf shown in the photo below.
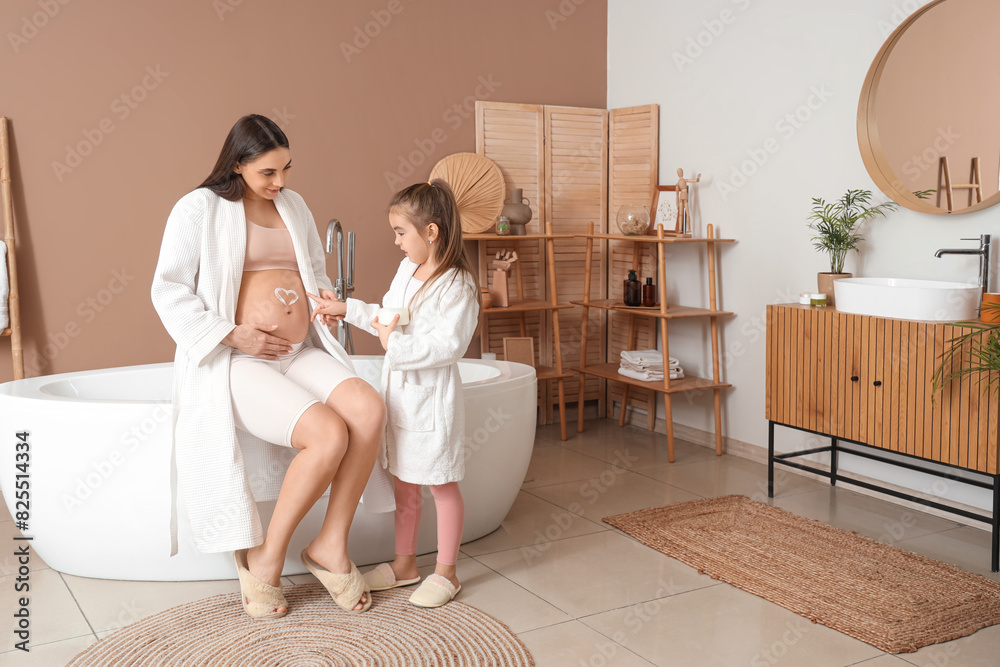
(664, 214)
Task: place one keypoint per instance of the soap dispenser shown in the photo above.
(633, 290)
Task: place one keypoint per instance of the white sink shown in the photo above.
(906, 299)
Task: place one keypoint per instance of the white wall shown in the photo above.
(724, 103)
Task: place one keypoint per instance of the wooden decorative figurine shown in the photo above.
(683, 215)
(503, 262)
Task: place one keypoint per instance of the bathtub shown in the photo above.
(99, 452)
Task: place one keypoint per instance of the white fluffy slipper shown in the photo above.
(434, 592)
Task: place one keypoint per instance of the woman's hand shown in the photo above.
(330, 308)
(254, 338)
(384, 330)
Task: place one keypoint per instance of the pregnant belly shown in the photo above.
(274, 296)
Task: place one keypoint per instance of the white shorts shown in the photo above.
(269, 395)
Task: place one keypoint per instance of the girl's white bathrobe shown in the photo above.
(421, 385)
(195, 289)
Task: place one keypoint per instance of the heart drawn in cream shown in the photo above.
(283, 293)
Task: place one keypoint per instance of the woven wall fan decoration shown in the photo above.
(478, 186)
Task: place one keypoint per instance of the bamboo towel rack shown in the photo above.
(14, 328)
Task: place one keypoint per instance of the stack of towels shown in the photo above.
(648, 365)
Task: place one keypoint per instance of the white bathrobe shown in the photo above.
(421, 385)
(195, 289)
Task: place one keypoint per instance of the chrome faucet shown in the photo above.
(984, 258)
(344, 285)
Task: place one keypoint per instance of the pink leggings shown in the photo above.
(450, 518)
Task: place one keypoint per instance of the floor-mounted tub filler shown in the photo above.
(99, 461)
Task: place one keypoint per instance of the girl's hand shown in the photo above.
(330, 308)
(254, 338)
(384, 330)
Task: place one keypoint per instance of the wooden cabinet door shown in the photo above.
(869, 380)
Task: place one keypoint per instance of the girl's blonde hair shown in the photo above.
(424, 203)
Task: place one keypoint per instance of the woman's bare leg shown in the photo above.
(322, 438)
(363, 411)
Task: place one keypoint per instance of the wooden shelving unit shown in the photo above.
(521, 306)
(664, 313)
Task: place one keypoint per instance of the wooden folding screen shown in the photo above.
(575, 165)
(512, 135)
(633, 172)
(576, 181)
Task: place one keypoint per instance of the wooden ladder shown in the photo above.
(14, 327)
(974, 186)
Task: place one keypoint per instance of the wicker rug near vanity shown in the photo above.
(893, 599)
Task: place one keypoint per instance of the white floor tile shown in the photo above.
(532, 521)
(47, 655)
(720, 626)
(614, 491)
(53, 614)
(593, 573)
(517, 608)
(573, 644)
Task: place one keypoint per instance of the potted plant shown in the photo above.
(976, 352)
(837, 226)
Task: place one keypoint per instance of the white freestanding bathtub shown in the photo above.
(98, 462)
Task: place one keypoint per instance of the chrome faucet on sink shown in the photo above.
(984, 258)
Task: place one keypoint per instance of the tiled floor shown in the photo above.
(577, 592)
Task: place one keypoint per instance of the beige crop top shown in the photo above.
(269, 248)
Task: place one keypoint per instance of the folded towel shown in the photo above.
(647, 367)
(646, 357)
(650, 377)
(4, 287)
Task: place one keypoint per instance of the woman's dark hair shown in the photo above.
(250, 137)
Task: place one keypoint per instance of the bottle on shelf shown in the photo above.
(633, 290)
(648, 294)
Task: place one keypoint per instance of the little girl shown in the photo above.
(420, 381)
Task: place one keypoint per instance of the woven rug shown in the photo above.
(892, 599)
(216, 631)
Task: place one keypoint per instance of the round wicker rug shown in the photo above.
(216, 631)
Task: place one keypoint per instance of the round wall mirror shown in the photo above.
(929, 114)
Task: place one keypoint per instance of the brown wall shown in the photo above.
(95, 173)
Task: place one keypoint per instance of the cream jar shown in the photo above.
(385, 316)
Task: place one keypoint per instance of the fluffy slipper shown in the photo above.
(346, 589)
(260, 599)
(382, 578)
(434, 592)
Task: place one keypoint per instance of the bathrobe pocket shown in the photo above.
(412, 407)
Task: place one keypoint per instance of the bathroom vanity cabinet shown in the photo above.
(864, 380)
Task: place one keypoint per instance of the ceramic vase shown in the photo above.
(825, 283)
(517, 212)
(989, 311)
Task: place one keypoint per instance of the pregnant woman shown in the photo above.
(238, 256)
